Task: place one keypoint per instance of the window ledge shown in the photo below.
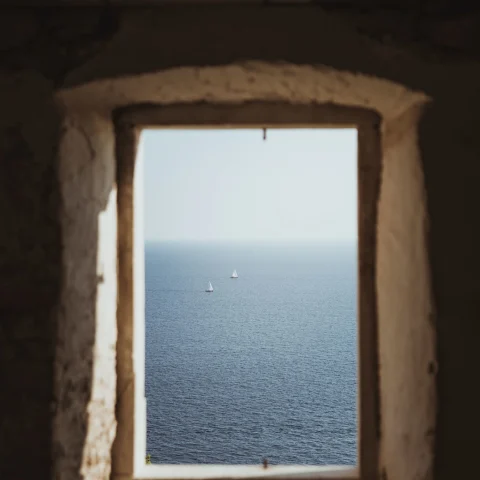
(217, 472)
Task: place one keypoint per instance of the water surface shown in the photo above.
(265, 366)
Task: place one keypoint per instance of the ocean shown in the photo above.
(263, 367)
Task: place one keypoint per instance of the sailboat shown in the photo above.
(210, 288)
(234, 274)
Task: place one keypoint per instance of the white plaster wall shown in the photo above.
(407, 355)
(152, 45)
(246, 81)
(85, 361)
(411, 455)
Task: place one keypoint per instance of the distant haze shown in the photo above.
(230, 185)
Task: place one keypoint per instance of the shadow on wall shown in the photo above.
(30, 281)
(450, 154)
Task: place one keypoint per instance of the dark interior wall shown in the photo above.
(447, 143)
(30, 274)
(452, 173)
(43, 51)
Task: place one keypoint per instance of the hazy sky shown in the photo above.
(297, 185)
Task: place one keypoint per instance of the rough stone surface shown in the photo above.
(57, 204)
(85, 361)
(406, 332)
(303, 84)
(244, 82)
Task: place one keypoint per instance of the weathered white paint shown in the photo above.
(86, 355)
(301, 84)
(247, 81)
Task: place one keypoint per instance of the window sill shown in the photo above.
(217, 472)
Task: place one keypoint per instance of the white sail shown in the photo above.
(210, 288)
(234, 274)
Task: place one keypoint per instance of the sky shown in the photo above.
(298, 185)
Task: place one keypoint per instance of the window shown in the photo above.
(130, 445)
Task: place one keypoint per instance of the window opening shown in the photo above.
(251, 272)
(130, 447)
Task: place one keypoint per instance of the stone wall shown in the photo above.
(30, 273)
(85, 386)
(62, 77)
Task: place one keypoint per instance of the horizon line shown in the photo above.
(252, 240)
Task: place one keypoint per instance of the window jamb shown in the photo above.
(128, 454)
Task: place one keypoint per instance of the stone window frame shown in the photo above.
(129, 449)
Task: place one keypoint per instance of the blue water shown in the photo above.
(265, 366)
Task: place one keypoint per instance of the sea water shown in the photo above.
(263, 367)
